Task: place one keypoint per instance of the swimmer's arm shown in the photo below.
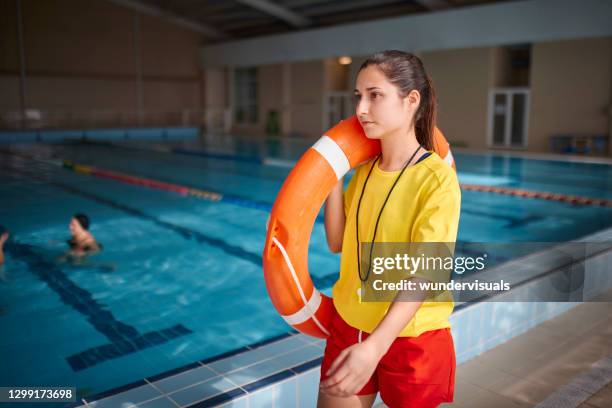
(335, 218)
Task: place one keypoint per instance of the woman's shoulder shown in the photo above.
(440, 171)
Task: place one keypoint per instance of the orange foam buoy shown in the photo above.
(285, 254)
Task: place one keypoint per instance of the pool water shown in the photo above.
(180, 278)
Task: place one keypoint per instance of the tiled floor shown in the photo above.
(527, 369)
(601, 399)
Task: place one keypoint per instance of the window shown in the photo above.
(245, 95)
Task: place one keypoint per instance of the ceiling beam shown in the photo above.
(434, 4)
(283, 13)
(492, 25)
(154, 11)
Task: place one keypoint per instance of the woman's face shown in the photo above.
(379, 107)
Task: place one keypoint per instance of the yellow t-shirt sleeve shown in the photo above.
(435, 229)
(438, 219)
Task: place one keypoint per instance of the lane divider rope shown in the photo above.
(146, 182)
(519, 192)
(214, 196)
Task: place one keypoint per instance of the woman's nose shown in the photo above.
(361, 108)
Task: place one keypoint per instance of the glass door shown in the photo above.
(508, 117)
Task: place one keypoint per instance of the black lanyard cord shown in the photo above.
(379, 214)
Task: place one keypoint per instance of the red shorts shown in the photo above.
(415, 372)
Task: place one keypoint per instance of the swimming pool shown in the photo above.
(180, 278)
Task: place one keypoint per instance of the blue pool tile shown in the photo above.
(235, 362)
(117, 390)
(225, 355)
(320, 343)
(489, 327)
(309, 339)
(255, 372)
(108, 134)
(134, 396)
(218, 399)
(185, 379)
(172, 372)
(272, 379)
(144, 133)
(240, 402)
(202, 391)
(18, 136)
(283, 346)
(265, 398)
(479, 349)
(307, 365)
(55, 135)
(299, 356)
(157, 403)
(253, 356)
(308, 389)
(182, 132)
(476, 325)
(283, 394)
(269, 340)
(287, 393)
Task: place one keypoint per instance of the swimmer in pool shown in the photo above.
(82, 242)
(4, 236)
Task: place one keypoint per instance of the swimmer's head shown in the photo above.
(79, 223)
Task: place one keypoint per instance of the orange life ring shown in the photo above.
(285, 254)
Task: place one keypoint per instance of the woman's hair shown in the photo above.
(82, 219)
(406, 72)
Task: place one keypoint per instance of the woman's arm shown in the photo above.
(356, 364)
(335, 218)
(398, 316)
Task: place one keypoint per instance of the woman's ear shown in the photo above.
(414, 98)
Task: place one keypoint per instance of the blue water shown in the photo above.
(180, 278)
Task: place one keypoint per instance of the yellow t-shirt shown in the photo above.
(424, 207)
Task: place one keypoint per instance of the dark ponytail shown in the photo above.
(406, 72)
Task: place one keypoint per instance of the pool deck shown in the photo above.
(563, 362)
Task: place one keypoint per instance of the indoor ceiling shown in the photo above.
(226, 20)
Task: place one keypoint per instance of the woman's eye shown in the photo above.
(357, 97)
(374, 95)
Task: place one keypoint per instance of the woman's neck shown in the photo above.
(396, 149)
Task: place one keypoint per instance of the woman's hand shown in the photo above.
(352, 369)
